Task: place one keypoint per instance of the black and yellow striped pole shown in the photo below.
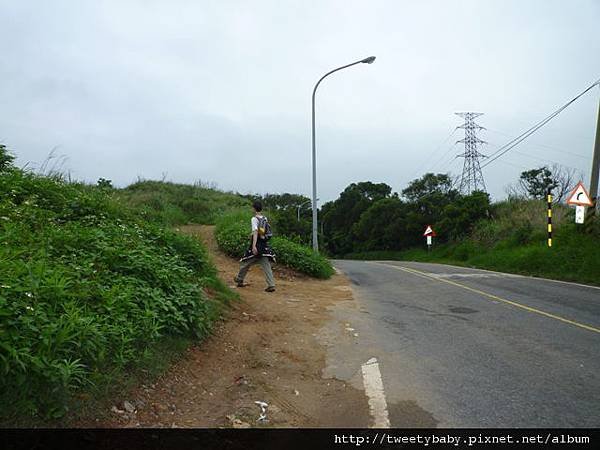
(549, 198)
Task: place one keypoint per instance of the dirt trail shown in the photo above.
(266, 350)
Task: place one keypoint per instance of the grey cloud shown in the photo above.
(208, 90)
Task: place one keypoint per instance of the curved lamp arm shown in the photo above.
(368, 60)
(315, 242)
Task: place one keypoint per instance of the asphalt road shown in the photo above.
(462, 347)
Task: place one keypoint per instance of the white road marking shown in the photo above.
(516, 275)
(374, 390)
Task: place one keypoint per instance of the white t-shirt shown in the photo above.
(255, 223)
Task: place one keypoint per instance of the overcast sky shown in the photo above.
(220, 91)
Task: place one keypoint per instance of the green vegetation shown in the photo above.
(95, 289)
(232, 233)
(290, 215)
(175, 204)
(514, 240)
(89, 292)
(369, 217)
(368, 221)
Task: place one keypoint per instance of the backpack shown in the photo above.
(264, 229)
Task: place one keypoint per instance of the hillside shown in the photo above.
(172, 204)
(92, 296)
(99, 291)
(176, 204)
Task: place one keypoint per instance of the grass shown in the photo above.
(232, 234)
(90, 292)
(177, 204)
(522, 250)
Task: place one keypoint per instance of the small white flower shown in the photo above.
(4, 286)
(29, 308)
(29, 294)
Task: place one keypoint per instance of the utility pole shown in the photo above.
(595, 166)
(472, 178)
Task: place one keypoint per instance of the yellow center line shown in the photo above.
(494, 297)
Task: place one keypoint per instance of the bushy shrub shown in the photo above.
(301, 258)
(85, 290)
(233, 237)
(233, 233)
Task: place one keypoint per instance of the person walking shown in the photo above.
(259, 251)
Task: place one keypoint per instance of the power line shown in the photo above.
(546, 146)
(518, 166)
(543, 159)
(444, 161)
(547, 160)
(428, 161)
(516, 141)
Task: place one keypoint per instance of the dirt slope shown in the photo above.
(265, 350)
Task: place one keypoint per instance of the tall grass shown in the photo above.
(87, 289)
(514, 241)
(232, 234)
(175, 204)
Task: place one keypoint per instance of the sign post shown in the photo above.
(429, 233)
(579, 214)
(580, 198)
(549, 198)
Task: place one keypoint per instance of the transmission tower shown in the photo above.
(472, 178)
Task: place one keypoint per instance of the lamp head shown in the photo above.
(368, 60)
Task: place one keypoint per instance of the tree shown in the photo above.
(428, 196)
(459, 217)
(384, 227)
(283, 211)
(564, 178)
(340, 215)
(429, 184)
(535, 183)
(284, 201)
(369, 217)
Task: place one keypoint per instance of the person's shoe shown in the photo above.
(238, 283)
(270, 289)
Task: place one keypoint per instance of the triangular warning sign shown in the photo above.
(429, 231)
(579, 196)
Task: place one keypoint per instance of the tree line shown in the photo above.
(368, 216)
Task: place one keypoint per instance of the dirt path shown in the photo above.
(266, 350)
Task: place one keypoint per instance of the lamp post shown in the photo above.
(315, 241)
(300, 206)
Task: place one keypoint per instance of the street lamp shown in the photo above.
(301, 206)
(315, 241)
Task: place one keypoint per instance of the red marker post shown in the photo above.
(429, 234)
